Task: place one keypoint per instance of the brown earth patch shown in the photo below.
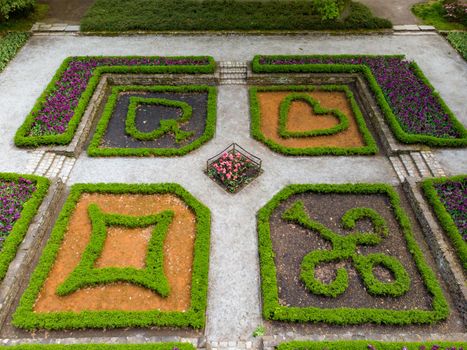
(124, 247)
(302, 118)
(291, 243)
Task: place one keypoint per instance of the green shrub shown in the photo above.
(237, 15)
(369, 345)
(273, 309)
(95, 150)
(8, 7)
(10, 45)
(328, 9)
(25, 316)
(459, 41)
(370, 146)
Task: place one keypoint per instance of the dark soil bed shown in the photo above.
(148, 118)
(292, 242)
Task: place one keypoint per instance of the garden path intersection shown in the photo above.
(234, 294)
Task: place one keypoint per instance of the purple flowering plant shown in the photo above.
(13, 195)
(58, 109)
(412, 100)
(453, 195)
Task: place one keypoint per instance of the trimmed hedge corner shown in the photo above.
(370, 345)
(272, 308)
(444, 217)
(20, 227)
(94, 149)
(296, 90)
(25, 317)
(433, 125)
(52, 121)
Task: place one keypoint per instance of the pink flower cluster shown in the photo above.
(231, 169)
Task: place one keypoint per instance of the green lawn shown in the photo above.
(219, 15)
(459, 41)
(431, 12)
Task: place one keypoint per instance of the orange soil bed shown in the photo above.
(302, 118)
(124, 247)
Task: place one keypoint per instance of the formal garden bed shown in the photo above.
(333, 254)
(20, 198)
(447, 197)
(309, 120)
(155, 120)
(412, 108)
(58, 111)
(371, 345)
(88, 278)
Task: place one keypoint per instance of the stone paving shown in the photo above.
(234, 309)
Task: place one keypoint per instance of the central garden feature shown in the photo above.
(88, 278)
(344, 254)
(233, 168)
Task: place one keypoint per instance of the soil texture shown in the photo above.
(148, 118)
(292, 242)
(302, 118)
(124, 247)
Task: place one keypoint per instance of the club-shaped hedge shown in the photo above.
(412, 108)
(371, 345)
(25, 317)
(272, 308)
(58, 111)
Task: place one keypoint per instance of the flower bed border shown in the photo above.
(255, 128)
(25, 317)
(211, 115)
(344, 316)
(146, 346)
(22, 137)
(389, 115)
(444, 218)
(365, 345)
(21, 226)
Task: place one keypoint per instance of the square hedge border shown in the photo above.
(155, 346)
(255, 129)
(444, 218)
(390, 117)
(22, 137)
(21, 226)
(272, 309)
(211, 115)
(25, 317)
(369, 345)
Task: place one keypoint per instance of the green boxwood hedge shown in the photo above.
(255, 126)
(23, 137)
(272, 308)
(155, 346)
(444, 218)
(25, 316)
(370, 345)
(388, 113)
(20, 228)
(95, 150)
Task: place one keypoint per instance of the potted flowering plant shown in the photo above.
(233, 169)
